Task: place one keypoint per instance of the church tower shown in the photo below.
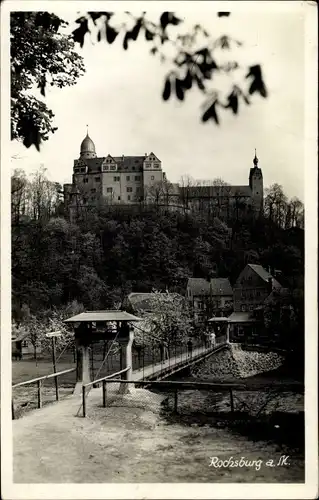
(256, 185)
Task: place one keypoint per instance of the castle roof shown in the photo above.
(214, 191)
(124, 163)
(87, 145)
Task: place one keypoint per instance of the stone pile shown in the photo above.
(234, 362)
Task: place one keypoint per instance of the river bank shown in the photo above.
(132, 440)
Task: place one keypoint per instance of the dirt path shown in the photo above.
(132, 443)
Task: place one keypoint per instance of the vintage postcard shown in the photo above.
(158, 257)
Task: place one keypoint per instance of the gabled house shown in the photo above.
(21, 344)
(209, 297)
(253, 286)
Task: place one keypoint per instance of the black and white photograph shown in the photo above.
(158, 256)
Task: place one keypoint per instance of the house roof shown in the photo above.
(19, 337)
(264, 275)
(201, 286)
(282, 295)
(95, 316)
(241, 317)
(143, 301)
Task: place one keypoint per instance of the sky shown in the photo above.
(119, 97)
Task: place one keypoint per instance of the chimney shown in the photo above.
(122, 157)
(145, 155)
(270, 285)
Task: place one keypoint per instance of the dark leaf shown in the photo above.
(247, 101)
(111, 34)
(223, 14)
(126, 39)
(263, 90)
(188, 80)
(148, 35)
(254, 87)
(41, 85)
(81, 20)
(99, 36)
(164, 20)
(80, 32)
(211, 113)
(154, 50)
(255, 72)
(233, 102)
(135, 31)
(97, 15)
(200, 83)
(174, 20)
(179, 89)
(167, 90)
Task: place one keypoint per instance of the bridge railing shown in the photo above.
(39, 382)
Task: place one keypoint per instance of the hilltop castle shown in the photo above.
(134, 179)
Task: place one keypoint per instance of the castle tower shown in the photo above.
(256, 185)
(87, 148)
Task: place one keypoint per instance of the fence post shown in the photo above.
(39, 394)
(175, 401)
(54, 369)
(12, 409)
(231, 400)
(104, 393)
(84, 400)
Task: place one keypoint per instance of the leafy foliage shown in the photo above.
(40, 55)
(194, 61)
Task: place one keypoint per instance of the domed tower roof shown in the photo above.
(87, 148)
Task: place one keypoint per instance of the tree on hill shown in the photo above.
(41, 55)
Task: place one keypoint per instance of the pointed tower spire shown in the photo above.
(87, 131)
(255, 160)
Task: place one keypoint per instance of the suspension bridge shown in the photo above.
(112, 332)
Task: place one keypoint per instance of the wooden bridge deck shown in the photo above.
(174, 364)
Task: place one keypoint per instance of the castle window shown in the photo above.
(133, 168)
(85, 180)
(243, 308)
(127, 177)
(129, 198)
(76, 170)
(83, 169)
(97, 179)
(109, 190)
(93, 190)
(129, 190)
(137, 177)
(156, 165)
(118, 197)
(116, 179)
(112, 167)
